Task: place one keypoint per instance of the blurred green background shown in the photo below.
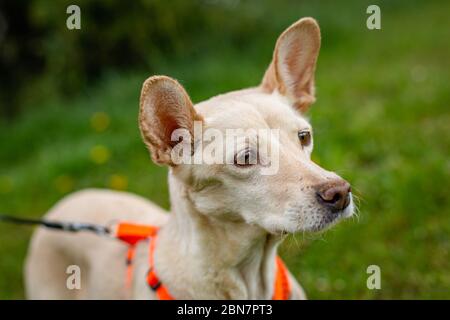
(69, 103)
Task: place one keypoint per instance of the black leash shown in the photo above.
(64, 226)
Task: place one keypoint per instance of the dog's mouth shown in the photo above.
(327, 221)
(331, 218)
(302, 218)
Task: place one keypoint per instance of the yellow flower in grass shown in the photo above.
(100, 154)
(118, 182)
(64, 183)
(100, 121)
(6, 184)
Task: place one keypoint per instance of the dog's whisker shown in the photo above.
(298, 246)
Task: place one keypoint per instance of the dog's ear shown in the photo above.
(291, 71)
(164, 107)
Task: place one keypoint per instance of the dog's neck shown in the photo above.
(199, 257)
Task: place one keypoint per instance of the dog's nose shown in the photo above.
(335, 195)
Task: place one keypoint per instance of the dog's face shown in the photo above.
(266, 176)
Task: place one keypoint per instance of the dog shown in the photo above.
(227, 219)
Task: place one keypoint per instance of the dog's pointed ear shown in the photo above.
(164, 107)
(291, 71)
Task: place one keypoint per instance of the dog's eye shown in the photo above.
(304, 137)
(245, 158)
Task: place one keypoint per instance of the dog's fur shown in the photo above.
(221, 238)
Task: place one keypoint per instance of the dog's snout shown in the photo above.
(335, 195)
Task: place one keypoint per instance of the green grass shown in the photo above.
(381, 121)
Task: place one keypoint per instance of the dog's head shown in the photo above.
(265, 176)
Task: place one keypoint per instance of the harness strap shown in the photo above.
(282, 289)
(133, 233)
(152, 279)
(130, 257)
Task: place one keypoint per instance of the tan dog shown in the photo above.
(226, 221)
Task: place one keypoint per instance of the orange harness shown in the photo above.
(133, 233)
